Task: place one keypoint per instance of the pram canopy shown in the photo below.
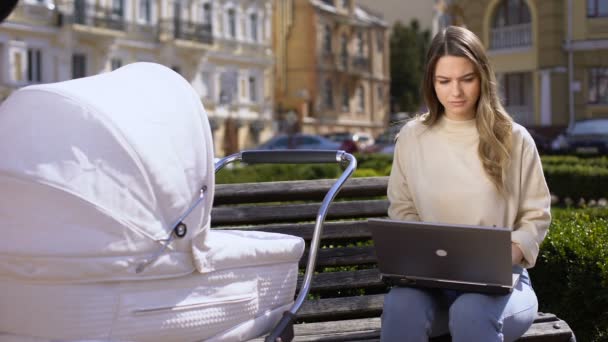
(92, 181)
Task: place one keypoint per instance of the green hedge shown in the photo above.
(577, 181)
(571, 274)
(601, 162)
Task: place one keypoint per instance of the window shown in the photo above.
(253, 22)
(115, 63)
(327, 39)
(207, 78)
(516, 89)
(232, 23)
(80, 11)
(228, 86)
(344, 50)
(34, 65)
(360, 43)
(118, 8)
(345, 4)
(598, 86)
(345, 99)
(380, 94)
(79, 65)
(329, 94)
(380, 41)
(253, 95)
(512, 12)
(597, 8)
(145, 11)
(511, 26)
(207, 14)
(361, 99)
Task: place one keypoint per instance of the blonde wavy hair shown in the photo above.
(493, 122)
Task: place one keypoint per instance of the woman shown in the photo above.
(466, 162)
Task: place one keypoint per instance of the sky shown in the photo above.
(404, 10)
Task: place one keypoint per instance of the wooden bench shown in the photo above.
(346, 297)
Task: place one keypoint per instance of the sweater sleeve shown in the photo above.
(401, 205)
(534, 211)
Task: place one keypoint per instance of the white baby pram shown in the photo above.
(106, 192)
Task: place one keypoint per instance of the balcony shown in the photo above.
(97, 16)
(342, 62)
(511, 37)
(360, 64)
(196, 32)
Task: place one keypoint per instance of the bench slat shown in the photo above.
(341, 308)
(248, 215)
(329, 281)
(297, 190)
(345, 230)
(368, 329)
(344, 256)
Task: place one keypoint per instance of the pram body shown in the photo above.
(107, 186)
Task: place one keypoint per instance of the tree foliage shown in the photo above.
(407, 58)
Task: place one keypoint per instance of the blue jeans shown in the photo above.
(412, 314)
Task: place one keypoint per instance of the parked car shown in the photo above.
(363, 140)
(588, 136)
(299, 142)
(384, 143)
(345, 139)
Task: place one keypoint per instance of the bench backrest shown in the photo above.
(346, 263)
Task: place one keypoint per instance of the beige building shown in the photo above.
(223, 47)
(332, 67)
(551, 56)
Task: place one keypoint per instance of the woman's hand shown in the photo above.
(516, 254)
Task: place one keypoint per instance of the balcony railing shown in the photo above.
(342, 61)
(97, 16)
(510, 37)
(186, 30)
(360, 63)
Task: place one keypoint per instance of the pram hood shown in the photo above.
(95, 172)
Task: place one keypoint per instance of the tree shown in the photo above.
(407, 57)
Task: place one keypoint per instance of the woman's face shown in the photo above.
(457, 87)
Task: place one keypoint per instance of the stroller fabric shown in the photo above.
(94, 176)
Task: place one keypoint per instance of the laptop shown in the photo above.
(456, 257)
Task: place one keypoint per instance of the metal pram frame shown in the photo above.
(283, 330)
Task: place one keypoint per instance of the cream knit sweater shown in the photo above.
(437, 176)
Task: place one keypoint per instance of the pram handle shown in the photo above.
(291, 156)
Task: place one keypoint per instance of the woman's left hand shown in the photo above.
(516, 254)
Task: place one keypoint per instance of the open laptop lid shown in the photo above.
(460, 254)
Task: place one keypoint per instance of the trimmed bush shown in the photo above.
(577, 180)
(571, 274)
(601, 162)
(277, 172)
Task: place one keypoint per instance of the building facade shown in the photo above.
(222, 47)
(551, 60)
(332, 67)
